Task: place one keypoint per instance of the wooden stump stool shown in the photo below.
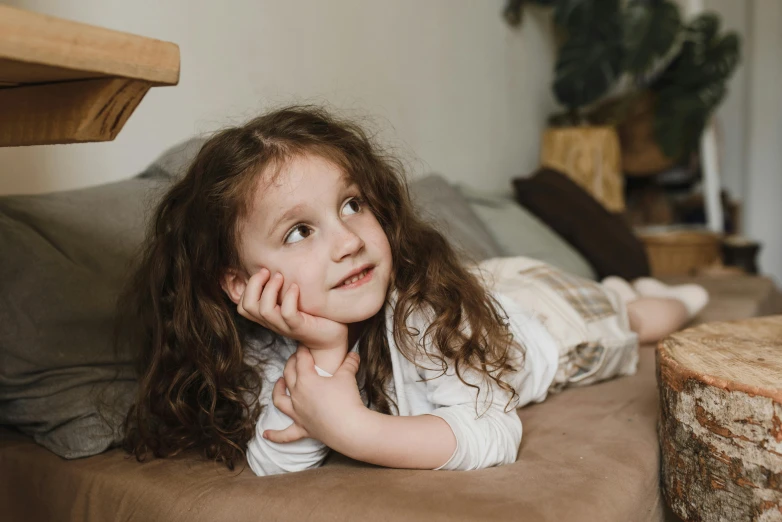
(721, 420)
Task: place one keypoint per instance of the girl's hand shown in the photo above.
(321, 407)
(259, 303)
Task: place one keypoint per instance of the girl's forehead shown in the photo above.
(301, 170)
(297, 181)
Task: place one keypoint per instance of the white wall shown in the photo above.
(446, 82)
(731, 116)
(763, 204)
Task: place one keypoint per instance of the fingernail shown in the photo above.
(265, 436)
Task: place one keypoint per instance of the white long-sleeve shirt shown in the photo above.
(486, 434)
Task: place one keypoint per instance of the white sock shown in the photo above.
(694, 297)
(621, 287)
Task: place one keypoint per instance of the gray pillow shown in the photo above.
(519, 233)
(443, 205)
(64, 258)
(174, 161)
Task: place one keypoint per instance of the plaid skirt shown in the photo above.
(587, 320)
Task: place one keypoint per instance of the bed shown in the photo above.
(587, 454)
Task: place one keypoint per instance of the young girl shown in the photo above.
(289, 300)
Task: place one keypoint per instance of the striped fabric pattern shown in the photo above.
(585, 296)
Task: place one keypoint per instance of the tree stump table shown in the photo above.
(721, 420)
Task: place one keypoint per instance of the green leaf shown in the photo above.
(694, 84)
(703, 28)
(650, 30)
(680, 117)
(722, 57)
(587, 68)
(579, 16)
(702, 60)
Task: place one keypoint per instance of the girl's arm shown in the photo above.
(418, 442)
(482, 433)
(331, 410)
(452, 437)
(486, 434)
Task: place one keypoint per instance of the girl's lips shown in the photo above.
(367, 277)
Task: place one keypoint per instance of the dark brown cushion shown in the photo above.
(603, 238)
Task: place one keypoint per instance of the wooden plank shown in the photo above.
(69, 112)
(44, 48)
(19, 73)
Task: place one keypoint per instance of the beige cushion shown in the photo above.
(520, 233)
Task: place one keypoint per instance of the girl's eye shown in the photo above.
(298, 233)
(353, 206)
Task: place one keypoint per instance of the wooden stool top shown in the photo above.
(740, 355)
(720, 430)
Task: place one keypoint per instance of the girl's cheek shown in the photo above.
(307, 304)
(304, 294)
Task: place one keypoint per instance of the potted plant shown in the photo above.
(633, 65)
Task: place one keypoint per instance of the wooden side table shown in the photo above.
(721, 420)
(67, 82)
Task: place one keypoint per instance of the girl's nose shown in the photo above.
(346, 243)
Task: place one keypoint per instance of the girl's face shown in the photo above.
(310, 224)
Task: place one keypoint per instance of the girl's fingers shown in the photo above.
(292, 433)
(281, 399)
(290, 307)
(304, 362)
(289, 372)
(252, 292)
(350, 364)
(269, 297)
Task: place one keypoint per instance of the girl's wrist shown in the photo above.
(329, 359)
(348, 437)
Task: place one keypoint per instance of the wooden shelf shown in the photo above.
(68, 82)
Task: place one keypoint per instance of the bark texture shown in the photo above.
(721, 421)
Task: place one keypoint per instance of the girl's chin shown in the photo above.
(352, 318)
(356, 316)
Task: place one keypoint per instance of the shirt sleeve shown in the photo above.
(486, 427)
(486, 436)
(271, 458)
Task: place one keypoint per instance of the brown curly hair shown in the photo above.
(197, 388)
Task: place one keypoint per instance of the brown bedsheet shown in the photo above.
(587, 454)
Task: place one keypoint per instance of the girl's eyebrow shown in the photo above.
(287, 215)
(296, 209)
